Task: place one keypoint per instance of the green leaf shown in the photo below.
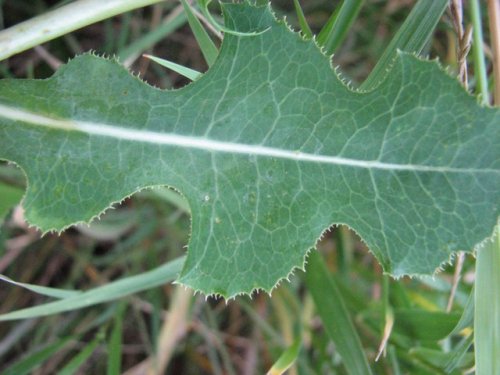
(269, 148)
(228, 30)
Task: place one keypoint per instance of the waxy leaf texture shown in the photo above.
(270, 149)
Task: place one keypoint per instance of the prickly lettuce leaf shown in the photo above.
(270, 149)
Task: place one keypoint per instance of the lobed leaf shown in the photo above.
(270, 149)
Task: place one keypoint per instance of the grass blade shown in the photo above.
(304, 26)
(411, 37)
(61, 21)
(467, 318)
(487, 307)
(335, 30)
(458, 353)
(174, 20)
(286, 359)
(115, 343)
(114, 290)
(207, 46)
(182, 70)
(43, 290)
(439, 359)
(32, 360)
(77, 361)
(331, 308)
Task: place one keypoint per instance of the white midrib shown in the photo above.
(112, 131)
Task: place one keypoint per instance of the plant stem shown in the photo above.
(61, 21)
(494, 15)
(478, 53)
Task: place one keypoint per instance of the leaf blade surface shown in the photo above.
(270, 149)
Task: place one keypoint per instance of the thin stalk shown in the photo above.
(478, 53)
(494, 15)
(60, 21)
(456, 279)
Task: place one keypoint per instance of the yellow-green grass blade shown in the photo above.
(180, 69)
(487, 307)
(286, 359)
(207, 46)
(334, 315)
(111, 291)
(335, 30)
(412, 36)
